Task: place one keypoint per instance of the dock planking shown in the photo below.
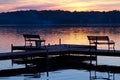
(58, 50)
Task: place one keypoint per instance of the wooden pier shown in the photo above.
(58, 50)
(23, 52)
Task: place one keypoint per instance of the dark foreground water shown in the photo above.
(69, 35)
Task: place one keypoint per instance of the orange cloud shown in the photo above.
(71, 5)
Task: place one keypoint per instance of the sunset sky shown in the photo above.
(71, 5)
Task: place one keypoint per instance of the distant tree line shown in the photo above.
(60, 17)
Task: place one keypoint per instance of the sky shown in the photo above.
(69, 5)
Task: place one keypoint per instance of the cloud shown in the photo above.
(110, 5)
(103, 7)
(11, 5)
(7, 1)
(82, 0)
(4, 1)
(40, 7)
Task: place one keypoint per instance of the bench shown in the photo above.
(33, 40)
(101, 40)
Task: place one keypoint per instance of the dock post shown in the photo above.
(96, 66)
(60, 41)
(113, 76)
(47, 64)
(108, 75)
(90, 63)
(90, 59)
(90, 75)
(26, 65)
(12, 51)
(96, 60)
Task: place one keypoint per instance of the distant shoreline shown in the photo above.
(58, 18)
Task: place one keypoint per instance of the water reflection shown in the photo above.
(95, 76)
(34, 75)
(69, 35)
(60, 64)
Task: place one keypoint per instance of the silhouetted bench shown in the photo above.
(32, 42)
(101, 40)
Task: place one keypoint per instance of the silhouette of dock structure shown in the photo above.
(57, 50)
(19, 52)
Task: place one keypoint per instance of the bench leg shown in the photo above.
(114, 47)
(89, 47)
(108, 47)
(111, 46)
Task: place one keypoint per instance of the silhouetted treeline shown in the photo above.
(60, 17)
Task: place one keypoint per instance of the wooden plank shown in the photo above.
(27, 48)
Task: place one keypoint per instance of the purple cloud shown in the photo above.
(11, 5)
(110, 5)
(7, 1)
(40, 7)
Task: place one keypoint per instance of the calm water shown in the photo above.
(69, 35)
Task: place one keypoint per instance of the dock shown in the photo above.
(58, 50)
(64, 56)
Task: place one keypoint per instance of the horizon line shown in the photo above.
(63, 10)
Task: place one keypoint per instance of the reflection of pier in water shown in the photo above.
(64, 62)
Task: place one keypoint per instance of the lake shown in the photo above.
(69, 35)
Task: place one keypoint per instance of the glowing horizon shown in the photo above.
(71, 5)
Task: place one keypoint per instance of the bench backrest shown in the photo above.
(93, 39)
(29, 37)
(102, 38)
